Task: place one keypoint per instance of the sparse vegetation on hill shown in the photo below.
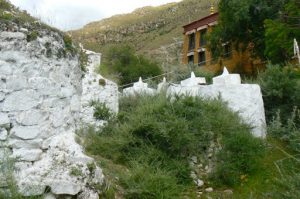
(147, 29)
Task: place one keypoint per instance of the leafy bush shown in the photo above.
(289, 132)
(123, 61)
(240, 156)
(32, 36)
(281, 91)
(153, 136)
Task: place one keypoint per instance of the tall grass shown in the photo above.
(154, 136)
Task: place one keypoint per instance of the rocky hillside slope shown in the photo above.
(154, 31)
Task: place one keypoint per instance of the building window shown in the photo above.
(192, 41)
(201, 60)
(191, 59)
(227, 50)
(203, 34)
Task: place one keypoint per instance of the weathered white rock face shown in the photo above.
(245, 99)
(42, 101)
(96, 88)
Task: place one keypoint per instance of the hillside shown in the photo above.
(154, 31)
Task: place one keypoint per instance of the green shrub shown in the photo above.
(32, 36)
(240, 156)
(123, 61)
(153, 136)
(289, 132)
(83, 60)
(102, 82)
(69, 44)
(281, 91)
(101, 112)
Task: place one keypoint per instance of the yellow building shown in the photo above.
(196, 52)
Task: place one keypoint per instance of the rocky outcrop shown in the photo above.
(41, 90)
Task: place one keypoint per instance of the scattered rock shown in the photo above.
(3, 134)
(210, 189)
(228, 191)
(194, 159)
(200, 183)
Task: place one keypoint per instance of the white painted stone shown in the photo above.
(210, 189)
(28, 155)
(75, 103)
(25, 144)
(59, 187)
(139, 88)
(16, 83)
(200, 183)
(2, 96)
(5, 69)
(193, 81)
(3, 134)
(31, 117)
(245, 99)
(42, 97)
(21, 100)
(163, 86)
(25, 133)
(227, 79)
(88, 194)
(49, 196)
(33, 189)
(12, 35)
(4, 120)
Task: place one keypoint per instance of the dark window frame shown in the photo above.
(203, 40)
(227, 51)
(201, 58)
(191, 59)
(192, 41)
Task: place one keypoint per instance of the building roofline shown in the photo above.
(208, 16)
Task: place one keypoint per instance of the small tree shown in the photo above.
(122, 60)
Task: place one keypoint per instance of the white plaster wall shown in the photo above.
(40, 110)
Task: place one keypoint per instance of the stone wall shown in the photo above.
(98, 89)
(245, 99)
(40, 110)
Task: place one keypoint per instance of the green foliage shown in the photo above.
(153, 136)
(32, 36)
(288, 132)
(241, 155)
(281, 91)
(123, 61)
(4, 5)
(69, 44)
(242, 22)
(101, 112)
(281, 32)
(75, 171)
(83, 60)
(7, 179)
